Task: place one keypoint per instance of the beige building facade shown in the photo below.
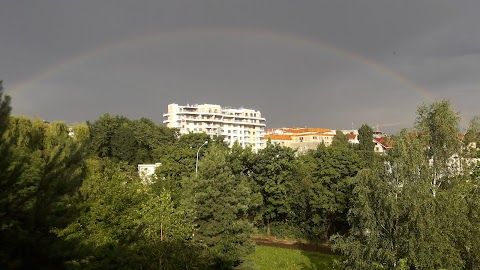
(301, 139)
(304, 139)
(246, 126)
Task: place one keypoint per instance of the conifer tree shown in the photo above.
(40, 168)
(220, 201)
(366, 145)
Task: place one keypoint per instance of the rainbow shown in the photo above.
(231, 33)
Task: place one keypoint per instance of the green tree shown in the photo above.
(220, 201)
(471, 139)
(178, 161)
(340, 139)
(330, 191)
(106, 231)
(167, 235)
(148, 137)
(241, 160)
(418, 206)
(124, 225)
(274, 173)
(132, 141)
(366, 145)
(5, 109)
(41, 171)
(102, 132)
(438, 127)
(123, 144)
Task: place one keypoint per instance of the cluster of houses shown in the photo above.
(304, 139)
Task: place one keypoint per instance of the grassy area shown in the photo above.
(266, 258)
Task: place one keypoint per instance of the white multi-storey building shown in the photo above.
(243, 125)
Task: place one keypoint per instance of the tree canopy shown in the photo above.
(71, 196)
(416, 208)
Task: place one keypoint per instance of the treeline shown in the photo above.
(71, 197)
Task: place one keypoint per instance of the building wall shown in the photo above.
(147, 172)
(301, 139)
(243, 125)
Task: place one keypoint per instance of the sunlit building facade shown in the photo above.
(304, 139)
(246, 126)
(301, 139)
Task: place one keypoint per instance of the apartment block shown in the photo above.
(245, 126)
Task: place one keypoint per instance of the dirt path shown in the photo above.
(271, 242)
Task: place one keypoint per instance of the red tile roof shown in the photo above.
(386, 142)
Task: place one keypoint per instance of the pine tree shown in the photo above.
(220, 201)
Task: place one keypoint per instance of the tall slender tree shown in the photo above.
(438, 126)
(220, 201)
(366, 145)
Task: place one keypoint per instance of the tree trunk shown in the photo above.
(161, 231)
(268, 227)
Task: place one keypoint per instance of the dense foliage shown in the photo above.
(417, 208)
(71, 196)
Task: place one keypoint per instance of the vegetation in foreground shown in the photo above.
(275, 258)
(71, 197)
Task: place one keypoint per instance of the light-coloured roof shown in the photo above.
(277, 137)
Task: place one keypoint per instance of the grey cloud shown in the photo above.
(431, 43)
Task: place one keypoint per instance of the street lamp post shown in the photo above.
(196, 163)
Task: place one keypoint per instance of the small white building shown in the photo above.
(147, 172)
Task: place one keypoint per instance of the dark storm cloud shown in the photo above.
(241, 53)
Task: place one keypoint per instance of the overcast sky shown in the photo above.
(319, 63)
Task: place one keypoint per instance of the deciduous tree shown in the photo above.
(331, 189)
(416, 208)
(274, 173)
